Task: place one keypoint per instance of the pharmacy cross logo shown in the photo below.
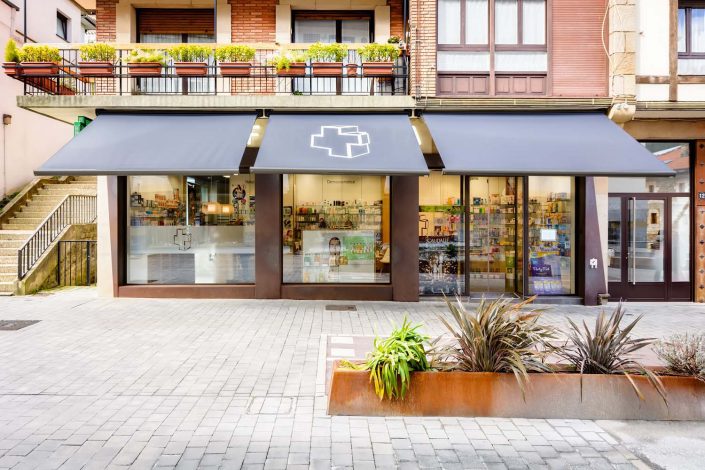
(182, 239)
(342, 141)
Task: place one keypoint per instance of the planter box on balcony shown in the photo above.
(13, 69)
(498, 395)
(96, 69)
(39, 68)
(327, 69)
(378, 69)
(144, 69)
(351, 70)
(191, 69)
(296, 69)
(235, 69)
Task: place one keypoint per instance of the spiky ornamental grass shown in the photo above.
(684, 354)
(608, 349)
(500, 336)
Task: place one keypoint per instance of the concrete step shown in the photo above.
(24, 215)
(7, 287)
(46, 198)
(85, 178)
(15, 234)
(14, 244)
(28, 227)
(12, 259)
(8, 277)
(9, 251)
(66, 189)
(26, 221)
(81, 184)
(9, 268)
(40, 206)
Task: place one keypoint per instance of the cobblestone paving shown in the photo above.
(129, 383)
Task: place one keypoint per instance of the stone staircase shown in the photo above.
(23, 223)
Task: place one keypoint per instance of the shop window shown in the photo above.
(62, 26)
(441, 235)
(336, 229)
(551, 268)
(191, 230)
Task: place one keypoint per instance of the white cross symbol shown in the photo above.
(182, 239)
(342, 141)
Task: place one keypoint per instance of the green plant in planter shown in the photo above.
(394, 40)
(607, 349)
(235, 53)
(334, 52)
(145, 55)
(500, 336)
(189, 53)
(98, 52)
(12, 52)
(378, 52)
(284, 60)
(32, 53)
(684, 354)
(393, 359)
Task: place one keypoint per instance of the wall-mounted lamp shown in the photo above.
(6, 119)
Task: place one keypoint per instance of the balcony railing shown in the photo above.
(262, 79)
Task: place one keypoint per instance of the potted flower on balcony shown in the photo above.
(12, 59)
(378, 59)
(39, 60)
(235, 60)
(97, 60)
(190, 60)
(327, 59)
(145, 63)
(290, 64)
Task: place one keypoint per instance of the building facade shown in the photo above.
(484, 164)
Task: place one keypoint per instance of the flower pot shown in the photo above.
(39, 68)
(351, 70)
(13, 69)
(327, 69)
(235, 69)
(144, 69)
(378, 69)
(296, 69)
(96, 69)
(191, 69)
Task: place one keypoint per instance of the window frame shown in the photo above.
(688, 6)
(334, 15)
(63, 20)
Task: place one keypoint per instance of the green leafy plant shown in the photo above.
(378, 52)
(607, 349)
(12, 52)
(235, 53)
(32, 53)
(145, 55)
(683, 354)
(283, 60)
(189, 53)
(98, 52)
(334, 52)
(393, 359)
(500, 336)
(393, 40)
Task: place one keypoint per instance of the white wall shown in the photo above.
(652, 47)
(31, 138)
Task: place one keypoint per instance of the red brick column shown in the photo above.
(422, 16)
(106, 20)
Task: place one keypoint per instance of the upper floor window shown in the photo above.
(175, 25)
(328, 27)
(691, 28)
(62, 26)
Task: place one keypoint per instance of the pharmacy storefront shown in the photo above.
(347, 206)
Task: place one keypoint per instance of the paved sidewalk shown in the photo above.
(130, 383)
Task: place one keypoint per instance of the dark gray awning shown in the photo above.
(379, 144)
(539, 144)
(148, 144)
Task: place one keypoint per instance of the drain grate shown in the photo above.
(13, 325)
(341, 308)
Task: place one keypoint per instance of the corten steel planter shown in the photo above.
(235, 69)
(96, 69)
(191, 69)
(378, 69)
(327, 69)
(144, 69)
(498, 395)
(13, 69)
(39, 68)
(296, 69)
(351, 70)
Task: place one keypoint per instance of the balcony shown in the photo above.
(262, 79)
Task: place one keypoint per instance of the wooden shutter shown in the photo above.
(174, 21)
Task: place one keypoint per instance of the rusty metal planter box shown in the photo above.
(498, 395)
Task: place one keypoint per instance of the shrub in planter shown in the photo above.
(292, 64)
(393, 40)
(145, 63)
(235, 60)
(327, 59)
(39, 60)
(12, 59)
(190, 59)
(378, 59)
(97, 60)
(683, 354)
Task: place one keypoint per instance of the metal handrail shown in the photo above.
(73, 209)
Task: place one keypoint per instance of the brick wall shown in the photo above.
(105, 20)
(396, 20)
(422, 21)
(253, 20)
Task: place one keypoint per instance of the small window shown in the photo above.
(691, 28)
(62, 26)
